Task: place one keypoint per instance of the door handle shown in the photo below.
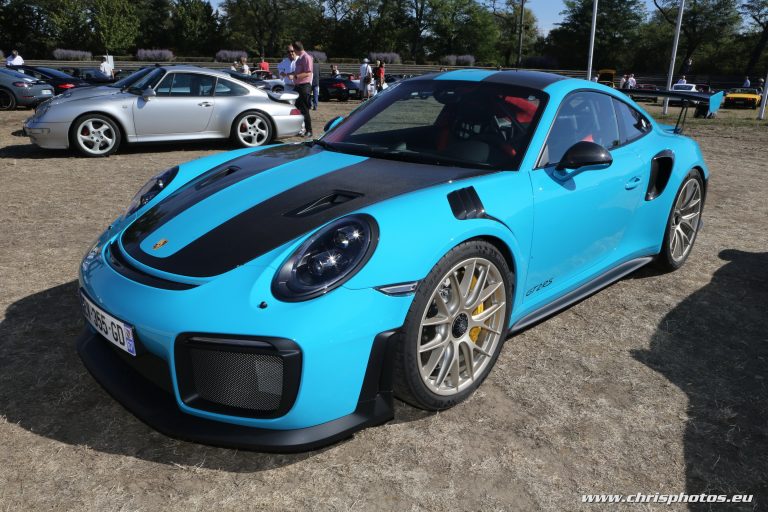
(632, 183)
(206, 104)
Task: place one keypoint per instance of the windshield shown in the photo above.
(742, 91)
(149, 80)
(55, 73)
(130, 79)
(444, 122)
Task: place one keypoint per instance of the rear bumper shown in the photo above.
(149, 398)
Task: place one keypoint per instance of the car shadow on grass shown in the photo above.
(45, 389)
(714, 347)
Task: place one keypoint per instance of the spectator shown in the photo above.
(366, 79)
(443, 69)
(334, 71)
(244, 65)
(682, 80)
(687, 67)
(233, 67)
(746, 83)
(623, 82)
(379, 73)
(315, 83)
(286, 68)
(264, 65)
(761, 85)
(14, 59)
(106, 68)
(594, 78)
(302, 79)
(631, 82)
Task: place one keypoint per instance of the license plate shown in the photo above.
(116, 331)
(47, 91)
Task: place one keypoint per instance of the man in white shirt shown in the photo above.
(631, 82)
(14, 59)
(682, 80)
(287, 67)
(106, 69)
(366, 78)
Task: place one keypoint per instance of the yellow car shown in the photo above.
(742, 97)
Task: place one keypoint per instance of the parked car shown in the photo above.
(607, 77)
(681, 88)
(337, 88)
(93, 76)
(637, 93)
(276, 299)
(167, 104)
(20, 90)
(60, 81)
(259, 80)
(742, 97)
(111, 88)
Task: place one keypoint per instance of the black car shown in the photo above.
(92, 76)
(60, 81)
(338, 88)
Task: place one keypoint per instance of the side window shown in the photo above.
(227, 88)
(164, 87)
(583, 116)
(633, 124)
(188, 85)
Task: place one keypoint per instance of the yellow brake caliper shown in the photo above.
(474, 333)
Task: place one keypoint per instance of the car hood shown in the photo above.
(248, 206)
(80, 93)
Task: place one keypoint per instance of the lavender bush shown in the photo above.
(62, 54)
(448, 60)
(385, 57)
(465, 60)
(230, 55)
(155, 55)
(319, 56)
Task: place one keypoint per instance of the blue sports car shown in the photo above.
(278, 298)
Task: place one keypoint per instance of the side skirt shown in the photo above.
(582, 292)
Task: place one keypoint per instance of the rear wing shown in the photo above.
(702, 100)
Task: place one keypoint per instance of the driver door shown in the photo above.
(184, 105)
(580, 216)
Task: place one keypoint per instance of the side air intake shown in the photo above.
(466, 204)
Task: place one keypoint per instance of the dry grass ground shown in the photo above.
(656, 384)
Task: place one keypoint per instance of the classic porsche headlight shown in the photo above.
(327, 259)
(153, 187)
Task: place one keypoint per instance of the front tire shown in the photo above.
(455, 327)
(682, 224)
(251, 129)
(95, 135)
(7, 100)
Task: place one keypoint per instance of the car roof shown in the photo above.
(196, 69)
(532, 79)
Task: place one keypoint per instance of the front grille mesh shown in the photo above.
(238, 379)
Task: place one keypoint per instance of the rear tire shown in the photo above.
(682, 224)
(251, 129)
(95, 135)
(7, 100)
(455, 327)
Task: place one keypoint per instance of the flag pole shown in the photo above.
(674, 54)
(592, 40)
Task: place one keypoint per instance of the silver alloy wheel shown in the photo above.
(685, 220)
(96, 136)
(253, 130)
(462, 325)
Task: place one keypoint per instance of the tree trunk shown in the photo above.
(757, 51)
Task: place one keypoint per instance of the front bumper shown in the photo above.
(47, 135)
(150, 400)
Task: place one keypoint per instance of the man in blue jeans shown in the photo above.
(302, 80)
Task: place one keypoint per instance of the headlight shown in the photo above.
(153, 187)
(327, 259)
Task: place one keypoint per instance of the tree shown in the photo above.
(155, 23)
(25, 26)
(618, 22)
(507, 15)
(463, 27)
(70, 25)
(195, 27)
(115, 24)
(705, 22)
(756, 12)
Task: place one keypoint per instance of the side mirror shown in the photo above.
(330, 125)
(583, 154)
(148, 93)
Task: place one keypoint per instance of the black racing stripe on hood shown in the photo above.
(211, 182)
(269, 224)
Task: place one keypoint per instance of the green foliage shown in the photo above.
(115, 24)
(194, 27)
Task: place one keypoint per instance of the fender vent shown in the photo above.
(331, 200)
(466, 204)
(661, 170)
